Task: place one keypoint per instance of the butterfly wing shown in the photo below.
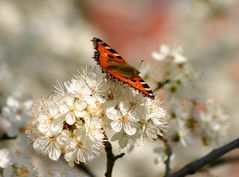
(136, 82)
(104, 53)
(115, 65)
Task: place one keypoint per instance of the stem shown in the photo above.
(83, 167)
(169, 154)
(223, 161)
(6, 137)
(194, 166)
(111, 158)
(161, 84)
(86, 169)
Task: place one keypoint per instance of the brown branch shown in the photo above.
(82, 167)
(85, 169)
(211, 157)
(225, 160)
(111, 158)
(169, 154)
(161, 84)
(6, 137)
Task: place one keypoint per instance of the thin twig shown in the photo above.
(161, 84)
(6, 137)
(211, 157)
(169, 154)
(85, 169)
(111, 158)
(225, 160)
(82, 167)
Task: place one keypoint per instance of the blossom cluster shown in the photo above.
(15, 115)
(190, 115)
(13, 163)
(204, 120)
(73, 120)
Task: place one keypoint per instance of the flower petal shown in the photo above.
(70, 118)
(164, 49)
(12, 102)
(9, 113)
(55, 151)
(57, 126)
(69, 100)
(53, 110)
(81, 105)
(116, 125)
(112, 113)
(158, 56)
(70, 154)
(157, 115)
(42, 118)
(124, 107)
(64, 108)
(43, 126)
(129, 128)
(80, 113)
(179, 58)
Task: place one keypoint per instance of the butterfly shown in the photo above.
(115, 65)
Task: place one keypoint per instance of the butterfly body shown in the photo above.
(115, 65)
(123, 69)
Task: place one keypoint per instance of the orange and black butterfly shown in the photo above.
(115, 65)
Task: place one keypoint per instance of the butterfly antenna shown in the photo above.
(140, 63)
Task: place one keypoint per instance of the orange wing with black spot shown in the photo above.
(115, 65)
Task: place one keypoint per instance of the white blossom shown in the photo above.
(72, 122)
(6, 158)
(50, 120)
(170, 55)
(122, 118)
(93, 127)
(93, 80)
(153, 124)
(127, 141)
(73, 108)
(81, 148)
(48, 145)
(212, 123)
(17, 114)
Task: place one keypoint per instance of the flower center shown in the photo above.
(69, 127)
(124, 119)
(79, 145)
(22, 171)
(52, 138)
(72, 109)
(52, 119)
